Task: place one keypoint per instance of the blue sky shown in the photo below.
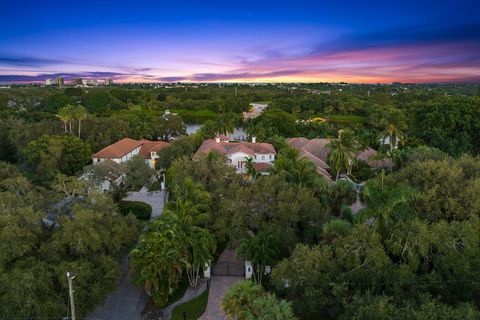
(353, 41)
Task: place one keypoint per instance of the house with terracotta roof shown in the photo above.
(123, 150)
(237, 153)
(316, 151)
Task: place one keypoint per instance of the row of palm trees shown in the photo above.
(70, 113)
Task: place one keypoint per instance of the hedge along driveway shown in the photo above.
(155, 199)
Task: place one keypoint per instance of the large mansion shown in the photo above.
(125, 149)
(237, 153)
(316, 151)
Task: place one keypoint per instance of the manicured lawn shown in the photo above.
(193, 309)
(195, 115)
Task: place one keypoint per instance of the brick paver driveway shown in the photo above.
(219, 285)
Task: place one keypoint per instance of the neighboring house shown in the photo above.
(126, 148)
(262, 154)
(64, 206)
(316, 151)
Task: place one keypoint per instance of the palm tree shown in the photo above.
(158, 259)
(225, 123)
(240, 298)
(191, 204)
(296, 170)
(394, 136)
(342, 154)
(71, 115)
(386, 204)
(80, 113)
(65, 115)
(341, 193)
(250, 166)
(260, 249)
(201, 246)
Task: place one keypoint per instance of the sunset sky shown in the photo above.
(233, 41)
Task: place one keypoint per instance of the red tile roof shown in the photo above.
(127, 145)
(227, 148)
(118, 149)
(316, 151)
(261, 166)
(151, 146)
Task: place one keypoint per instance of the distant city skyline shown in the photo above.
(241, 41)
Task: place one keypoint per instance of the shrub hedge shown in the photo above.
(140, 210)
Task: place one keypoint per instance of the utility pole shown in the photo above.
(70, 278)
(236, 90)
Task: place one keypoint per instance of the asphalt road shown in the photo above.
(128, 301)
(125, 303)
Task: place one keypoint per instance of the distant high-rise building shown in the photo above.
(77, 81)
(108, 82)
(90, 82)
(59, 81)
(48, 82)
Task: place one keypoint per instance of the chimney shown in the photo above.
(254, 139)
(217, 139)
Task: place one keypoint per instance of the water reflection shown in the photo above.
(239, 134)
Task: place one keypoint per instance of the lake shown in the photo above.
(238, 134)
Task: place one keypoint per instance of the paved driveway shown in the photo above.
(125, 303)
(128, 301)
(155, 199)
(219, 286)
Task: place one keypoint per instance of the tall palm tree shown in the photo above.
(343, 152)
(191, 204)
(158, 259)
(201, 246)
(80, 113)
(65, 115)
(71, 115)
(393, 134)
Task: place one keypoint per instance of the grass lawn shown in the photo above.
(195, 115)
(178, 294)
(193, 308)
